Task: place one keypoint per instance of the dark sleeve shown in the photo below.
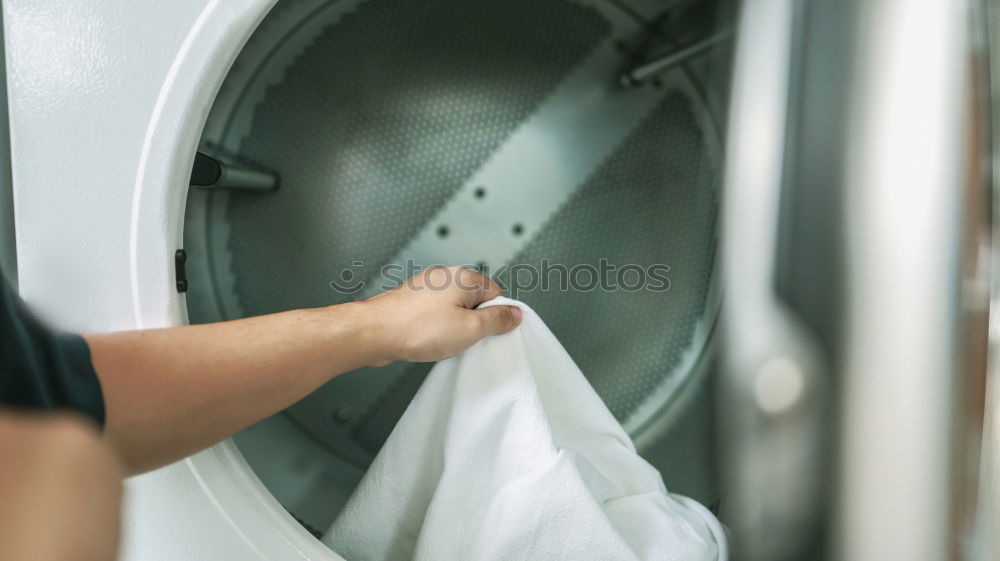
(41, 369)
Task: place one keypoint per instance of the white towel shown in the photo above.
(507, 453)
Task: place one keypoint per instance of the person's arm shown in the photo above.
(60, 490)
(171, 392)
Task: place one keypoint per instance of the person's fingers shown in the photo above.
(476, 287)
(497, 319)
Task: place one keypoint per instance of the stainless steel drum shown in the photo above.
(459, 132)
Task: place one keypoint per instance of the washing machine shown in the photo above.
(811, 173)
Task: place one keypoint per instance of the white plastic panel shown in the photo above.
(107, 100)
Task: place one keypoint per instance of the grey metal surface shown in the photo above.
(370, 153)
(378, 123)
(770, 383)
(531, 176)
(248, 179)
(653, 202)
(661, 65)
(906, 166)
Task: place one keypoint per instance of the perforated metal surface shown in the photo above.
(376, 124)
(653, 202)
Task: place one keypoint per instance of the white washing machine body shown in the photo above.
(107, 102)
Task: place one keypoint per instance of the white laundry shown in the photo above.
(507, 453)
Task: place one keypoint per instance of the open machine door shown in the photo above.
(859, 236)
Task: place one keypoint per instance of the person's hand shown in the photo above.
(431, 316)
(61, 490)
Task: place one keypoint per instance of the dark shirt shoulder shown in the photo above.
(42, 369)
